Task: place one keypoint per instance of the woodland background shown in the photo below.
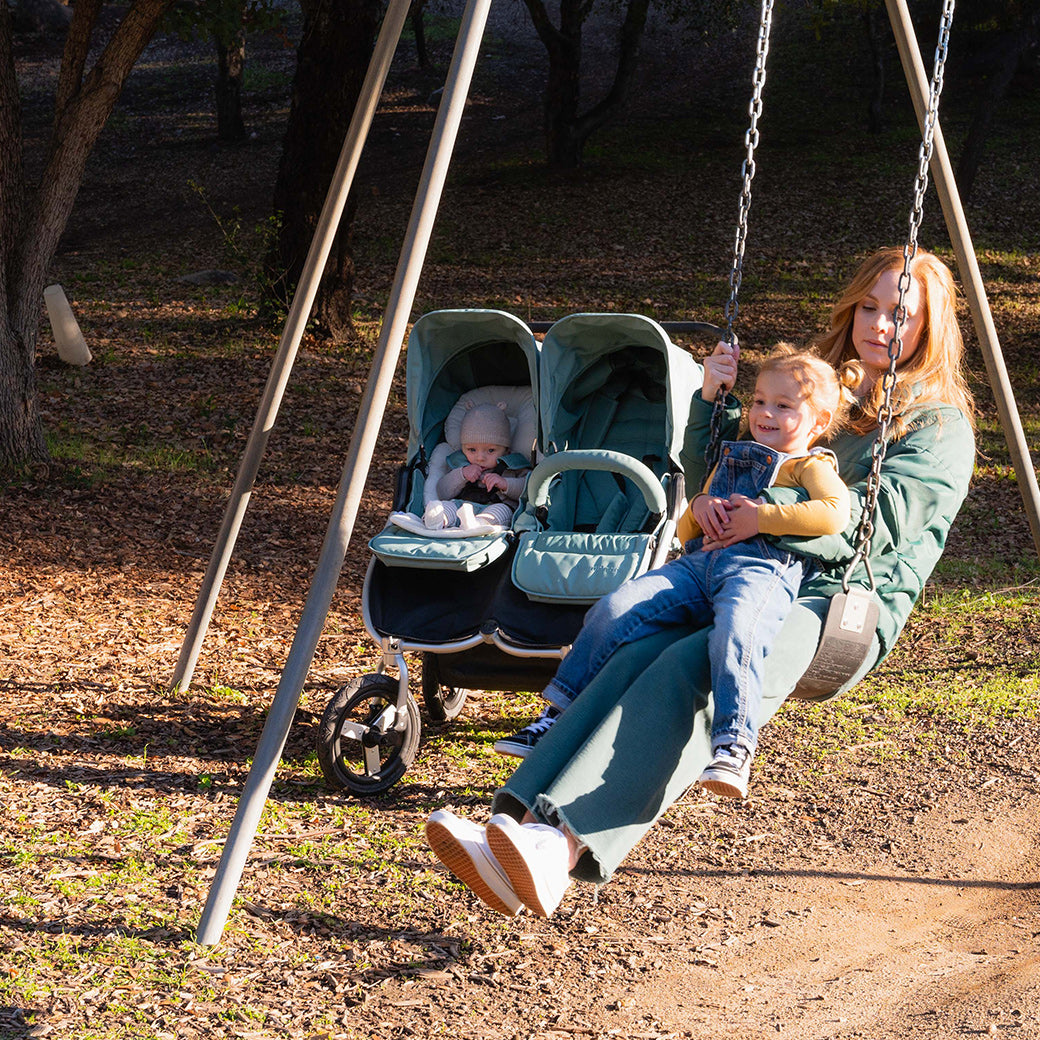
(881, 882)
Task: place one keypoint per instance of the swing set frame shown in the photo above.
(374, 400)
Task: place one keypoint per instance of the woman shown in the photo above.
(639, 734)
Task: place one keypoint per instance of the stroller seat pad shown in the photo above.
(413, 523)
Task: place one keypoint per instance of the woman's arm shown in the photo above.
(719, 372)
(698, 429)
(924, 479)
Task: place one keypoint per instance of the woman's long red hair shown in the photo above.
(932, 376)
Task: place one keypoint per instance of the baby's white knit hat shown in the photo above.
(485, 424)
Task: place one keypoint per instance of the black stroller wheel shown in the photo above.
(443, 702)
(360, 747)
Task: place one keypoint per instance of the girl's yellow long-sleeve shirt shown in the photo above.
(826, 512)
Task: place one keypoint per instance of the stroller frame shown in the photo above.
(600, 379)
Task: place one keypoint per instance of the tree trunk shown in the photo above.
(21, 431)
(567, 131)
(32, 222)
(1004, 63)
(415, 16)
(231, 61)
(332, 60)
(872, 20)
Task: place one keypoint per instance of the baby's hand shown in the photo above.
(712, 515)
(495, 482)
(472, 472)
(720, 370)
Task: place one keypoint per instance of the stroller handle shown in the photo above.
(595, 458)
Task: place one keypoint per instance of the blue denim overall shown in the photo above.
(745, 591)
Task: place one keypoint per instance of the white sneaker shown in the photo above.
(535, 859)
(434, 517)
(462, 847)
(467, 518)
(728, 772)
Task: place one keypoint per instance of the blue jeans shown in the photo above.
(745, 591)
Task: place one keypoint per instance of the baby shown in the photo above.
(480, 479)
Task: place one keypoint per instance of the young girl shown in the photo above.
(731, 576)
(639, 735)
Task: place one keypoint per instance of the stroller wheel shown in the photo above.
(362, 745)
(443, 702)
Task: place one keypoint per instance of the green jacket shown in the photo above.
(924, 480)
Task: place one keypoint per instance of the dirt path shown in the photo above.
(949, 952)
(844, 951)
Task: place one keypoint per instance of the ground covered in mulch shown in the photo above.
(880, 882)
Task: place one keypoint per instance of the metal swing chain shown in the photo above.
(758, 81)
(865, 532)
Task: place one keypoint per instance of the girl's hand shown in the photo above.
(472, 472)
(495, 482)
(712, 514)
(742, 522)
(720, 370)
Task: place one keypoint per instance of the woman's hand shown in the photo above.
(712, 515)
(720, 370)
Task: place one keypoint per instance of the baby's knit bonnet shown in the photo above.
(485, 424)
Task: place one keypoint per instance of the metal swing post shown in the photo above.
(352, 482)
(967, 264)
(295, 324)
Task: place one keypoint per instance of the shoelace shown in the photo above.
(541, 724)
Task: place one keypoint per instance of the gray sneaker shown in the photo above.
(519, 745)
(729, 772)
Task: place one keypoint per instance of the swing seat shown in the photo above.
(847, 646)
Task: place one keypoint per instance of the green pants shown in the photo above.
(639, 735)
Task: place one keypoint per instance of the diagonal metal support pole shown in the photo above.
(295, 324)
(967, 264)
(352, 482)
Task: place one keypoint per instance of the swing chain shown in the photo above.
(865, 532)
(751, 138)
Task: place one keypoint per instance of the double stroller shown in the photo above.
(598, 410)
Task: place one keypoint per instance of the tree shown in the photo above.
(229, 37)
(1009, 33)
(567, 129)
(880, 38)
(227, 22)
(418, 23)
(33, 216)
(332, 59)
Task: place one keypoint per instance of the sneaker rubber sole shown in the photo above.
(722, 787)
(512, 748)
(517, 870)
(458, 855)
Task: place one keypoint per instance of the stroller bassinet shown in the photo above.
(498, 611)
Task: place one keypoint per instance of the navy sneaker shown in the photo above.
(519, 744)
